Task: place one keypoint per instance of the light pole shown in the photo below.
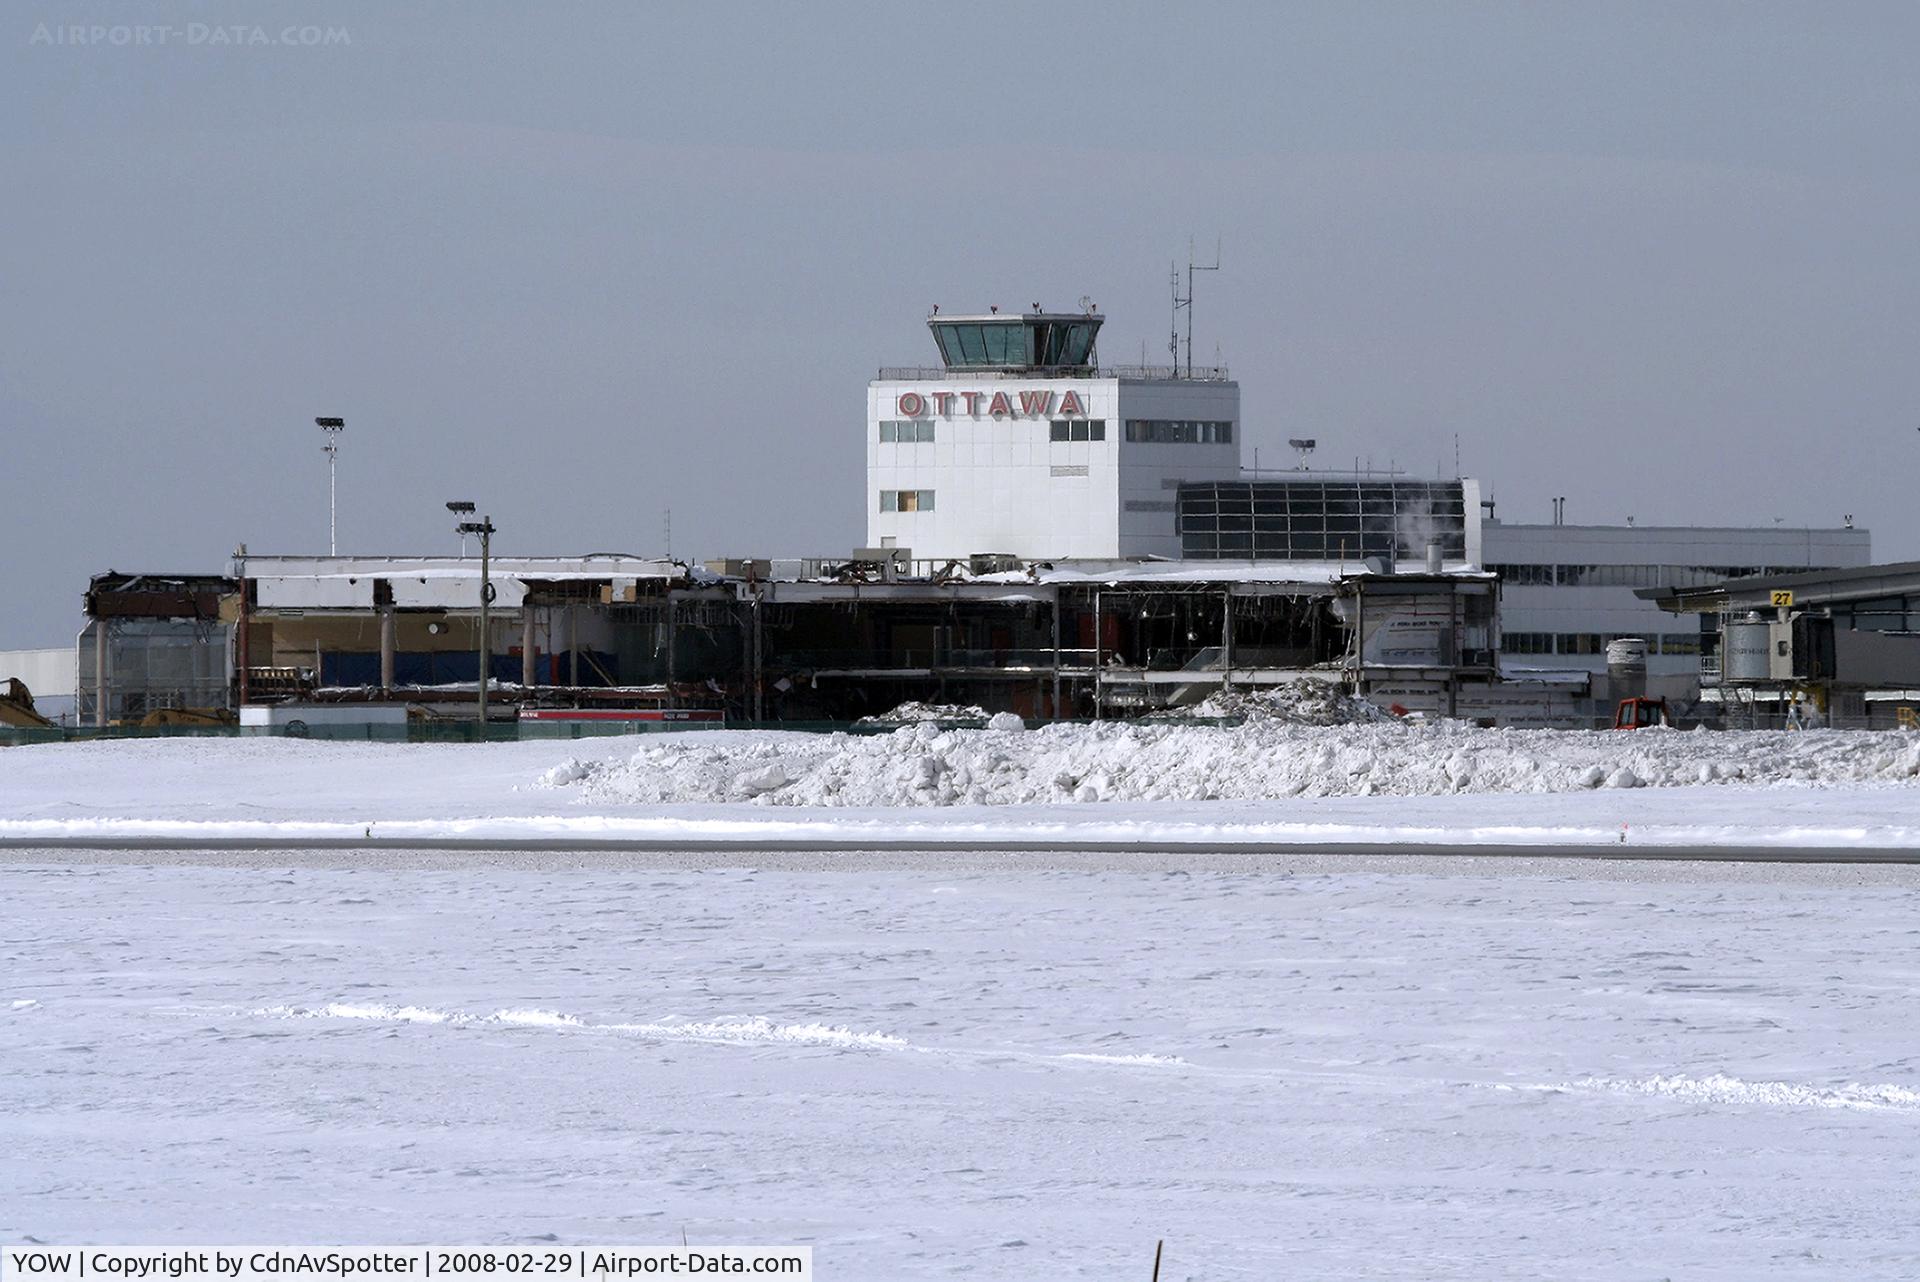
(330, 429)
(484, 528)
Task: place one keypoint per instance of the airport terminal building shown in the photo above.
(1045, 535)
(1568, 590)
(1020, 443)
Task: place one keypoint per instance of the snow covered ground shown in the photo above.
(1589, 1072)
(1286, 1065)
(1266, 782)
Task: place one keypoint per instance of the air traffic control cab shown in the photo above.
(1020, 442)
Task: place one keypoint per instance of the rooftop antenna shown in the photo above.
(669, 534)
(1185, 303)
(330, 429)
(1173, 322)
(1302, 446)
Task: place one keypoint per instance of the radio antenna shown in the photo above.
(1185, 303)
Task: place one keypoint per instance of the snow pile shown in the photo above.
(1262, 759)
(1307, 703)
(1719, 1088)
(912, 712)
(751, 1031)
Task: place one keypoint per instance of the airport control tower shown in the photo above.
(1021, 442)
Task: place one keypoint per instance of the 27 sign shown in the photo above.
(1782, 599)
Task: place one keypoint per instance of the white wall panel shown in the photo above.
(314, 593)
(414, 593)
(47, 673)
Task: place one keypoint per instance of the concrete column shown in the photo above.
(671, 619)
(1099, 658)
(1226, 639)
(100, 691)
(1056, 654)
(1452, 654)
(527, 665)
(759, 687)
(389, 628)
(573, 645)
(1359, 641)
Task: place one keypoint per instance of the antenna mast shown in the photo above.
(1185, 303)
(1173, 329)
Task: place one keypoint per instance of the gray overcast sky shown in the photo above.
(586, 263)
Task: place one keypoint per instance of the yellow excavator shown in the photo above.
(187, 717)
(16, 707)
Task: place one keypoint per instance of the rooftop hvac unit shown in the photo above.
(992, 563)
(736, 567)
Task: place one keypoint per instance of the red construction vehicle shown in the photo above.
(1640, 714)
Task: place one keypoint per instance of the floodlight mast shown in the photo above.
(330, 429)
(461, 508)
(484, 528)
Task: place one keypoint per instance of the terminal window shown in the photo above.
(905, 431)
(1594, 643)
(1630, 576)
(1526, 643)
(1079, 429)
(1179, 431)
(1525, 576)
(906, 500)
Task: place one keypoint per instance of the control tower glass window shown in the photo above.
(1321, 519)
(1033, 342)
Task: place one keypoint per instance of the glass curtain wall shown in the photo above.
(1321, 520)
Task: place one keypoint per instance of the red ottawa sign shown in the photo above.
(1039, 404)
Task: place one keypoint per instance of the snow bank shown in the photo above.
(1308, 703)
(913, 712)
(1262, 759)
(753, 1030)
(1721, 1089)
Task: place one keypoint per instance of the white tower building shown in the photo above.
(1020, 443)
